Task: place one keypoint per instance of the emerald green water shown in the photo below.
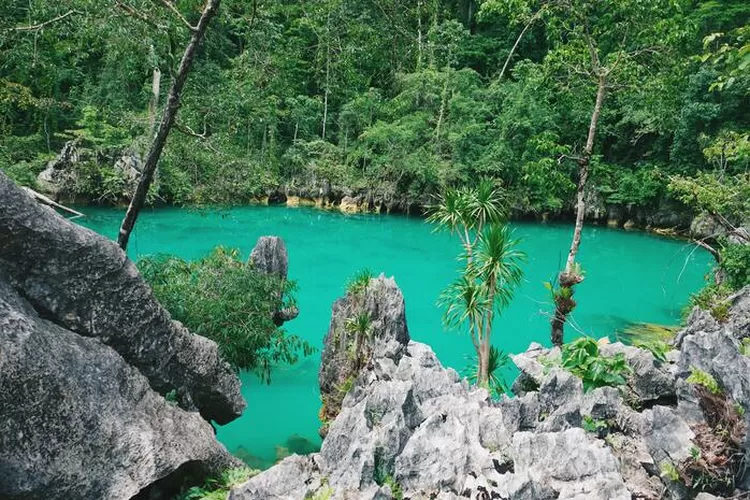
(631, 276)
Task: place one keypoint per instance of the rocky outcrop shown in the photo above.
(76, 421)
(86, 284)
(102, 395)
(368, 314)
(269, 256)
(62, 176)
(409, 428)
(58, 174)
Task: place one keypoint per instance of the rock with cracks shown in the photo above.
(86, 284)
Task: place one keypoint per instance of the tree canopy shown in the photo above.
(395, 98)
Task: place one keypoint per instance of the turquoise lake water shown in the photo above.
(631, 277)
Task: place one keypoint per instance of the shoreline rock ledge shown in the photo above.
(411, 429)
(102, 395)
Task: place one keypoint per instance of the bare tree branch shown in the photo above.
(46, 23)
(169, 5)
(140, 15)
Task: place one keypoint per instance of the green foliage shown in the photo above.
(357, 284)
(396, 491)
(712, 298)
(344, 94)
(218, 488)
(699, 377)
(669, 471)
(498, 361)
(745, 346)
(651, 337)
(226, 300)
(735, 262)
(582, 358)
(592, 425)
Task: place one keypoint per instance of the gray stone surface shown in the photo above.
(410, 419)
(76, 421)
(383, 302)
(85, 283)
(270, 256)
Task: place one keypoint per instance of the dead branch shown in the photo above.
(192, 133)
(44, 200)
(46, 23)
(130, 11)
(169, 5)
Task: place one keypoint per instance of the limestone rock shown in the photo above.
(58, 174)
(86, 284)
(383, 303)
(270, 256)
(76, 421)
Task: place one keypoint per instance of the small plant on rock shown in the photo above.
(358, 283)
(583, 359)
(704, 379)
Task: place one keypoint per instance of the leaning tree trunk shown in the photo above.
(167, 120)
(569, 277)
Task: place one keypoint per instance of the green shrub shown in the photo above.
(218, 488)
(582, 358)
(699, 377)
(735, 262)
(225, 299)
(711, 298)
(357, 283)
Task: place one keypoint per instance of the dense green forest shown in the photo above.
(394, 99)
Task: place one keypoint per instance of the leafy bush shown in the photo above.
(218, 488)
(711, 298)
(582, 358)
(226, 300)
(735, 262)
(699, 377)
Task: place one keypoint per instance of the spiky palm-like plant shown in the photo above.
(492, 267)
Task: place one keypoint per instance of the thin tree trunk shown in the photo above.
(419, 35)
(153, 104)
(583, 172)
(568, 278)
(328, 74)
(518, 41)
(167, 120)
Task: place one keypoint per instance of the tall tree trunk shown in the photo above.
(518, 41)
(583, 172)
(328, 74)
(419, 35)
(153, 104)
(568, 277)
(167, 120)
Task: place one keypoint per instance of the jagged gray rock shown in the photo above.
(383, 303)
(76, 421)
(410, 419)
(270, 256)
(86, 284)
(58, 174)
